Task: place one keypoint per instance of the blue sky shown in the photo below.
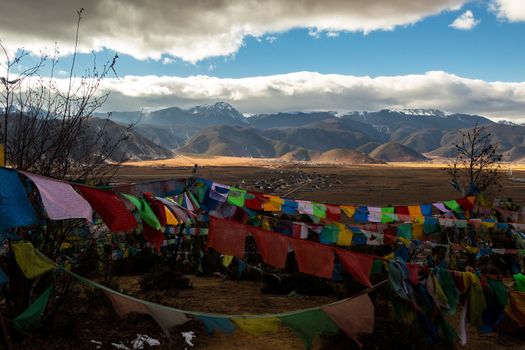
(493, 50)
(298, 55)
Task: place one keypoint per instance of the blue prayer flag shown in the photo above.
(15, 209)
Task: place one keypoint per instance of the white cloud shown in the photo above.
(194, 30)
(510, 10)
(466, 21)
(167, 60)
(332, 34)
(271, 39)
(307, 91)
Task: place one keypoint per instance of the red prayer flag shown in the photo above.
(110, 208)
(154, 237)
(273, 246)
(354, 316)
(256, 202)
(465, 204)
(333, 212)
(313, 258)
(413, 273)
(157, 207)
(357, 264)
(227, 237)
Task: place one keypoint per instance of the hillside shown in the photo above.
(510, 140)
(345, 156)
(396, 152)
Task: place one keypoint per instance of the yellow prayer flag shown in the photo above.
(405, 241)
(417, 231)
(472, 250)
(170, 218)
(227, 260)
(273, 203)
(348, 210)
(344, 238)
(389, 256)
(31, 264)
(257, 326)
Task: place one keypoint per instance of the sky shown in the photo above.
(268, 56)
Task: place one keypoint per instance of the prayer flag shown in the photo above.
(15, 208)
(110, 208)
(227, 237)
(272, 246)
(354, 316)
(314, 258)
(356, 264)
(60, 200)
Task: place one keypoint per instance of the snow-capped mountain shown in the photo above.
(420, 112)
(220, 110)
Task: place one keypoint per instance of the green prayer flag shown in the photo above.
(387, 215)
(32, 316)
(329, 234)
(310, 324)
(405, 231)
(319, 210)
(236, 196)
(145, 211)
(453, 205)
(449, 289)
(377, 266)
(519, 281)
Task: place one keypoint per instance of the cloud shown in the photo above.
(308, 91)
(510, 10)
(195, 30)
(466, 21)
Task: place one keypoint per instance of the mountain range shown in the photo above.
(387, 135)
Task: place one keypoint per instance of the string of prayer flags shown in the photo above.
(15, 208)
(110, 208)
(31, 264)
(60, 200)
(227, 237)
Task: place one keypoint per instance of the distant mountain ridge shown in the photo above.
(220, 129)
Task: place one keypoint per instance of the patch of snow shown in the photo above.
(420, 112)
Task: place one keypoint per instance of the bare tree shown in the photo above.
(476, 166)
(49, 128)
(49, 124)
